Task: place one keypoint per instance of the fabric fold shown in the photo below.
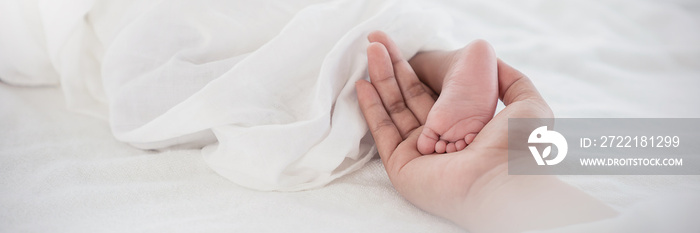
(265, 88)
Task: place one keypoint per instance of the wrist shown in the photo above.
(499, 202)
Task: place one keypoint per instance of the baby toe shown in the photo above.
(451, 147)
(460, 145)
(441, 146)
(427, 141)
(469, 138)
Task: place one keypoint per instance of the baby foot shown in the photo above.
(467, 102)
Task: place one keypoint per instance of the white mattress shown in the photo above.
(65, 172)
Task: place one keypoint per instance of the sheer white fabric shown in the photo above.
(266, 87)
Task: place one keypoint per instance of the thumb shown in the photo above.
(514, 86)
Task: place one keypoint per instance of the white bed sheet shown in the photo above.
(65, 172)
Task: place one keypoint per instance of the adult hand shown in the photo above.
(465, 186)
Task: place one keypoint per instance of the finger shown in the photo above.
(522, 100)
(418, 97)
(514, 86)
(432, 67)
(382, 75)
(405, 152)
(383, 38)
(385, 133)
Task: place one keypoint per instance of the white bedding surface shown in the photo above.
(65, 172)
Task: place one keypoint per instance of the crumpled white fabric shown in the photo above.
(265, 87)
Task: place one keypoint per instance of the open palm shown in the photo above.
(396, 104)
